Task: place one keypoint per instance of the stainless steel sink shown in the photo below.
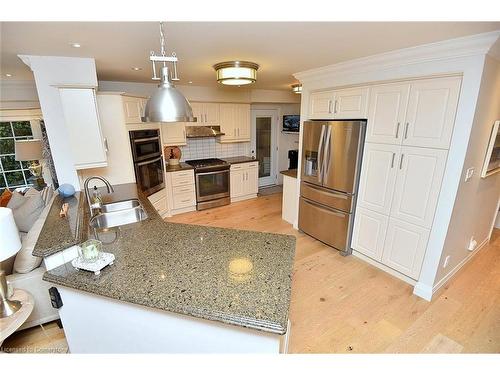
(112, 219)
(121, 205)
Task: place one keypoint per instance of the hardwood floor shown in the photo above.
(344, 305)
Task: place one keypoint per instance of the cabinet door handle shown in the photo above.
(205, 117)
(392, 161)
(329, 106)
(335, 107)
(401, 161)
(406, 130)
(106, 148)
(397, 130)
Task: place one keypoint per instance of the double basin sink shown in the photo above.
(118, 213)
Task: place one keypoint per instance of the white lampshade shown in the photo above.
(10, 243)
(29, 150)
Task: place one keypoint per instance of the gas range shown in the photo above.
(212, 182)
(211, 164)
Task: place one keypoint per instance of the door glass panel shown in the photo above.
(263, 145)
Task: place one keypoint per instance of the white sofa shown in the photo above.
(31, 281)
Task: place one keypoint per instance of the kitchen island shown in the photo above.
(177, 288)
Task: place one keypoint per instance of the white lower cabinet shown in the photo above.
(159, 202)
(244, 181)
(181, 191)
(405, 246)
(369, 233)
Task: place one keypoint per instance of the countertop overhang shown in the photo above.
(233, 276)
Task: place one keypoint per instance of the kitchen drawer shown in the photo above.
(328, 226)
(326, 197)
(155, 197)
(183, 189)
(184, 200)
(182, 178)
(240, 166)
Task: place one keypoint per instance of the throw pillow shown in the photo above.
(5, 197)
(16, 200)
(46, 193)
(26, 214)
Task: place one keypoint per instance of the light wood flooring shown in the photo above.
(344, 305)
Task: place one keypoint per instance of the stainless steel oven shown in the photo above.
(148, 160)
(212, 182)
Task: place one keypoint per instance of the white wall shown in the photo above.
(50, 71)
(477, 200)
(285, 141)
(16, 94)
(206, 94)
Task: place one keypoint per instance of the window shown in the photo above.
(13, 174)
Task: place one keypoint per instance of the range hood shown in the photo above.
(203, 131)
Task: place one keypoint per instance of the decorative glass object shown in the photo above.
(90, 250)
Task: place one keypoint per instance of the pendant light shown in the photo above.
(236, 73)
(166, 104)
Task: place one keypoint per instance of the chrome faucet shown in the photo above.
(87, 194)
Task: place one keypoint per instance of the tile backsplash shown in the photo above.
(202, 148)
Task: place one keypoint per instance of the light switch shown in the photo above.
(468, 174)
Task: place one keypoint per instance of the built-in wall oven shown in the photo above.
(212, 182)
(148, 160)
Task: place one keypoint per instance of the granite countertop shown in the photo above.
(290, 173)
(233, 276)
(60, 233)
(238, 159)
(180, 167)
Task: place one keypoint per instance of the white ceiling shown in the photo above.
(280, 48)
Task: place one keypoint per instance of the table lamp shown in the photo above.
(31, 150)
(10, 244)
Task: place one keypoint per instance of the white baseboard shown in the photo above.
(383, 267)
(423, 291)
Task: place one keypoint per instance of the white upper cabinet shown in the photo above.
(420, 172)
(133, 108)
(339, 104)
(235, 122)
(386, 113)
(173, 133)
(350, 103)
(431, 112)
(378, 175)
(405, 247)
(88, 145)
(321, 105)
(207, 114)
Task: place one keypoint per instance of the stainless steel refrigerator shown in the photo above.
(330, 167)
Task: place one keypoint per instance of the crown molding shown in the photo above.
(479, 44)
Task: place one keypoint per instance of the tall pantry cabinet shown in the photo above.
(408, 135)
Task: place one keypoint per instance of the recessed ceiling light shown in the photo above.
(8, 75)
(136, 68)
(75, 45)
(190, 82)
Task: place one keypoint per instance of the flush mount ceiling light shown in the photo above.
(8, 75)
(297, 88)
(75, 45)
(236, 73)
(135, 68)
(167, 104)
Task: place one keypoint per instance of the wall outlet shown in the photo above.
(469, 173)
(446, 261)
(472, 244)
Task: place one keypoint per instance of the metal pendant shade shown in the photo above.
(167, 104)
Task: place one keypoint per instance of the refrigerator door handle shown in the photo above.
(327, 153)
(320, 150)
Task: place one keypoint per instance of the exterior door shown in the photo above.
(386, 113)
(264, 145)
(431, 112)
(378, 176)
(420, 172)
(405, 247)
(369, 233)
